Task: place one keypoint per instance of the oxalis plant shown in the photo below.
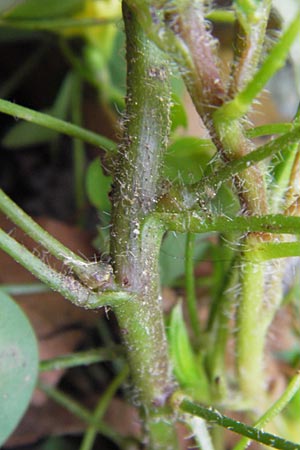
(243, 193)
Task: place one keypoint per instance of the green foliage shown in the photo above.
(7, 5)
(18, 365)
(98, 186)
(172, 256)
(186, 159)
(177, 201)
(31, 9)
(188, 367)
(25, 134)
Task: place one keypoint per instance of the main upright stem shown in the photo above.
(136, 243)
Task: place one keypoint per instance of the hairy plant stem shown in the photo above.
(78, 410)
(216, 417)
(262, 292)
(135, 248)
(249, 42)
(67, 286)
(61, 126)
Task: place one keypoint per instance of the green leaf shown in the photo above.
(26, 134)
(58, 443)
(32, 9)
(98, 186)
(187, 366)
(178, 113)
(186, 159)
(246, 11)
(172, 256)
(18, 365)
(7, 5)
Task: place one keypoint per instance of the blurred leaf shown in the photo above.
(58, 443)
(25, 134)
(178, 113)
(18, 365)
(187, 158)
(225, 201)
(32, 9)
(14, 35)
(98, 186)
(117, 68)
(172, 256)
(187, 366)
(7, 5)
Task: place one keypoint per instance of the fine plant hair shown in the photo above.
(230, 200)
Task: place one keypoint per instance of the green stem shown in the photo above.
(254, 19)
(97, 273)
(261, 295)
(81, 358)
(237, 107)
(191, 286)
(251, 333)
(265, 251)
(79, 411)
(198, 223)
(218, 323)
(67, 286)
(35, 231)
(199, 431)
(221, 15)
(56, 24)
(274, 410)
(266, 130)
(105, 399)
(214, 416)
(214, 179)
(58, 125)
(24, 289)
(135, 248)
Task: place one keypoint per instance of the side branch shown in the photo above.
(67, 286)
(199, 223)
(215, 417)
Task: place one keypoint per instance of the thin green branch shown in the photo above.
(199, 223)
(281, 144)
(93, 275)
(214, 416)
(79, 411)
(253, 16)
(34, 230)
(274, 410)
(58, 125)
(67, 286)
(221, 15)
(267, 130)
(237, 107)
(83, 358)
(265, 251)
(24, 289)
(200, 432)
(56, 24)
(105, 399)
